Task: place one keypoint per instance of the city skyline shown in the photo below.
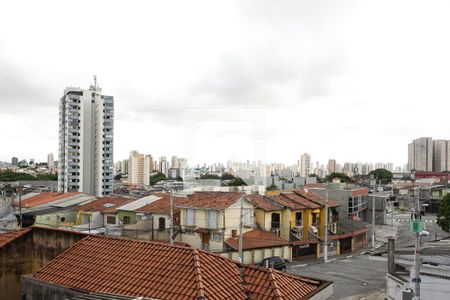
(249, 91)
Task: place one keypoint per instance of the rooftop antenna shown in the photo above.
(95, 81)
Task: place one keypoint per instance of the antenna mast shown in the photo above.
(95, 81)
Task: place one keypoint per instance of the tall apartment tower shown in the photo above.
(136, 168)
(305, 165)
(50, 161)
(441, 151)
(420, 154)
(148, 168)
(331, 167)
(86, 123)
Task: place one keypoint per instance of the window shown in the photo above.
(298, 219)
(161, 223)
(126, 220)
(216, 237)
(212, 219)
(248, 217)
(189, 217)
(111, 220)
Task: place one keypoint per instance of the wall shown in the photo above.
(37, 290)
(255, 256)
(127, 213)
(55, 219)
(28, 254)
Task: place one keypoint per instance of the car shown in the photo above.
(274, 262)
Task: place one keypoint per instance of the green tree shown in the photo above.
(443, 216)
(209, 176)
(382, 175)
(118, 177)
(272, 187)
(227, 176)
(341, 176)
(179, 178)
(236, 182)
(154, 179)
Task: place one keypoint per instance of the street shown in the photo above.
(356, 275)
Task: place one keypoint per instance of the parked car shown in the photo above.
(275, 262)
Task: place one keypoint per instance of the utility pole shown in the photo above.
(373, 212)
(171, 216)
(325, 249)
(415, 272)
(392, 205)
(20, 204)
(241, 225)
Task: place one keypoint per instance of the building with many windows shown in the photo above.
(86, 123)
(420, 154)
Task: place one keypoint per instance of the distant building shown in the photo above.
(50, 161)
(148, 169)
(86, 123)
(420, 154)
(174, 163)
(14, 161)
(305, 165)
(136, 168)
(441, 161)
(163, 165)
(331, 167)
(173, 173)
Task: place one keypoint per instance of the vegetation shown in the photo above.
(179, 178)
(154, 179)
(341, 176)
(443, 216)
(382, 175)
(209, 176)
(227, 176)
(9, 175)
(118, 177)
(272, 187)
(235, 182)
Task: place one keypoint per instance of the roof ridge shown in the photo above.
(273, 283)
(198, 275)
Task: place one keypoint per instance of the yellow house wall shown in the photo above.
(285, 224)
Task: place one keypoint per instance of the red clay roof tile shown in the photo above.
(44, 198)
(6, 238)
(213, 200)
(257, 238)
(105, 205)
(159, 270)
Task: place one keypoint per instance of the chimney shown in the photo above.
(234, 233)
(391, 259)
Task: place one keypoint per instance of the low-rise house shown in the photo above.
(158, 213)
(208, 218)
(129, 211)
(158, 270)
(101, 214)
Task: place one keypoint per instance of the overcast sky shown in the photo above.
(218, 80)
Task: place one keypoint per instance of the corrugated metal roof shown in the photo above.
(139, 203)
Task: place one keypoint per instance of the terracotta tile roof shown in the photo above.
(281, 199)
(214, 200)
(44, 198)
(162, 271)
(255, 239)
(8, 237)
(263, 202)
(105, 204)
(161, 206)
(271, 284)
(316, 198)
(302, 200)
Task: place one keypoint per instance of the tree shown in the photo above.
(209, 176)
(227, 176)
(382, 175)
(118, 177)
(443, 216)
(179, 178)
(236, 182)
(341, 176)
(272, 187)
(154, 179)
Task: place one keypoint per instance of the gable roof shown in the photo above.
(6, 238)
(104, 205)
(163, 271)
(161, 205)
(44, 198)
(316, 198)
(210, 200)
(136, 204)
(255, 239)
(263, 202)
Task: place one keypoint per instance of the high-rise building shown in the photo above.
(420, 154)
(14, 161)
(305, 165)
(163, 165)
(136, 168)
(174, 163)
(441, 153)
(86, 123)
(331, 167)
(50, 161)
(148, 168)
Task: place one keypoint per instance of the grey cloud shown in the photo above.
(17, 94)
